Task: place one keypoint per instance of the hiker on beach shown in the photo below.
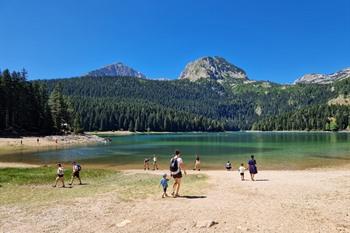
(60, 175)
(228, 166)
(197, 164)
(164, 183)
(146, 164)
(155, 165)
(76, 172)
(252, 167)
(176, 167)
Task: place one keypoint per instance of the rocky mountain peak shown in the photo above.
(213, 68)
(117, 69)
(324, 78)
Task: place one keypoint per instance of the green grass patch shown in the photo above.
(42, 175)
(34, 185)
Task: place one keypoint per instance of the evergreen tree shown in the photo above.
(77, 125)
(59, 109)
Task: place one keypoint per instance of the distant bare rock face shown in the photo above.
(324, 78)
(213, 68)
(118, 69)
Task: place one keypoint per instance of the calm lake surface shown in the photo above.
(272, 150)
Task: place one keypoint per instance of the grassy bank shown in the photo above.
(34, 185)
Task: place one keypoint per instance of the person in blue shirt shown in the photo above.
(164, 183)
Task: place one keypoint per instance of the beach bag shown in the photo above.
(174, 166)
(79, 167)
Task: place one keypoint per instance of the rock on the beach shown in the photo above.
(123, 223)
(205, 223)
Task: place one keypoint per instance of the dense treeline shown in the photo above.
(322, 117)
(108, 114)
(24, 105)
(27, 108)
(197, 98)
(234, 106)
(114, 103)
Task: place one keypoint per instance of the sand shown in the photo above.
(13, 145)
(279, 201)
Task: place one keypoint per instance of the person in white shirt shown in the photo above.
(241, 170)
(155, 165)
(176, 168)
(60, 175)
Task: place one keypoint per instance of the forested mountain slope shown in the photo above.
(113, 103)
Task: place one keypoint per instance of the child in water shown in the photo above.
(164, 183)
(241, 170)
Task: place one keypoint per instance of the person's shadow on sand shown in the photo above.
(192, 197)
(262, 180)
(84, 184)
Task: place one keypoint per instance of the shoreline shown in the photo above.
(129, 133)
(126, 133)
(132, 167)
(30, 144)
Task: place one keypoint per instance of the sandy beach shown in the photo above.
(27, 144)
(279, 201)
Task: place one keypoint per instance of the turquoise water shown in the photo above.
(272, 150)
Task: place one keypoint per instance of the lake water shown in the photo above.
(272, 150)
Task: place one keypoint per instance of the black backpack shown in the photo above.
(174, 165)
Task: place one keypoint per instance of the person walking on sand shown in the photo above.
(241, 171)
(60, 175)
(146, 164)
(252, 167)
(155, 165)
(164, 183)
(176, 168)
(197, 164)
(75, 173)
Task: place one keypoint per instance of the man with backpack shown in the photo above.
(76, 172)
(176, 166)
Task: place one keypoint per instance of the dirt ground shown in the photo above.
(279, 201)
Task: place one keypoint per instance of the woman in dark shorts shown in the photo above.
(252, 167)
(177, 174)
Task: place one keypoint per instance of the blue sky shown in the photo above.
(271, 39)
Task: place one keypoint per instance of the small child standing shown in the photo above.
(241, 170)
(164, 183)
